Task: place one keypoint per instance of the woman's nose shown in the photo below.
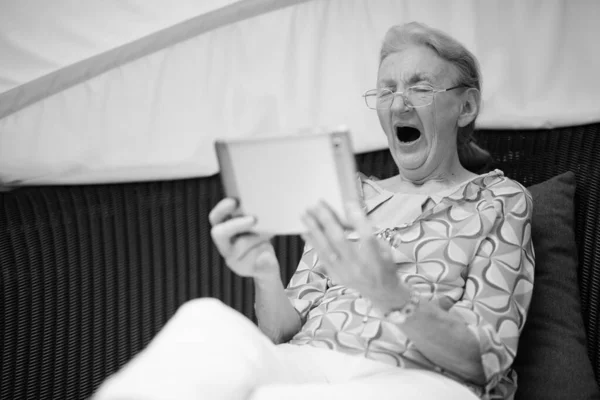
(400, 104)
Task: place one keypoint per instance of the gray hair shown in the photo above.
(398, 37)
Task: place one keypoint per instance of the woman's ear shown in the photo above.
(469, 109)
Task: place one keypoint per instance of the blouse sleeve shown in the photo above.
(500, 283)
(308, 284)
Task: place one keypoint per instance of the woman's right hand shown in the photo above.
(246, 252)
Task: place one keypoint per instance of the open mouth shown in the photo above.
(407, 134)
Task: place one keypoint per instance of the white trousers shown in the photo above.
(210, 351)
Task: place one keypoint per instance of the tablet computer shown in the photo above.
(278, 178)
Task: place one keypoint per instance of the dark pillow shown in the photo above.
(552, 360)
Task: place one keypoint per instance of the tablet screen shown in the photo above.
(277, 179)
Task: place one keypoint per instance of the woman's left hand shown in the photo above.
(368, 267)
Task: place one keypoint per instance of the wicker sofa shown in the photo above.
(91, 273)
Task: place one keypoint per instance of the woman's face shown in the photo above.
(422, 140)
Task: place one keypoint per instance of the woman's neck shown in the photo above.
(433, 183)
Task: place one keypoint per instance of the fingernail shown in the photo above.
(236, 201)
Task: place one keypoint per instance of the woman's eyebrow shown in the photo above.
(419, 77)
(386, 83)
(415, 78)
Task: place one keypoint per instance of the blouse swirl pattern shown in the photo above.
(473, 246)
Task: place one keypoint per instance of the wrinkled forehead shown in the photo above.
(415, 65)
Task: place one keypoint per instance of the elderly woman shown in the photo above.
(424, 298)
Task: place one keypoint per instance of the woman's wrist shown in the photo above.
(392, 297)
(266, 279)
(401, 314)
(266, 268)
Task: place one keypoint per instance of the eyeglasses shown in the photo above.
(413, 97)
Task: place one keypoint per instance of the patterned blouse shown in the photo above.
(472, 244)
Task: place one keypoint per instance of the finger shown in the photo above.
(329, 213)
(223, 210)
(332, 228)
(316, 237)
(365, 230)
(224, 233)
(384, 249)
(359, 220)
(329, 270)
(335, 259)
(244, 244)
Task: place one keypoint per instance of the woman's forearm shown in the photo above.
(277, 318)
(446, 340)
(443, 338)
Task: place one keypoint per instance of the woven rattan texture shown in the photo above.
(91, 273)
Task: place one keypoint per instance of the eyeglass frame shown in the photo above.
(405, 100)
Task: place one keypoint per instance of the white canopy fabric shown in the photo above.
(125, 90)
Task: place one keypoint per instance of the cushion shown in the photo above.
(552, 360)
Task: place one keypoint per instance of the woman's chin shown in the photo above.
(411, 163)
(411, 157)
